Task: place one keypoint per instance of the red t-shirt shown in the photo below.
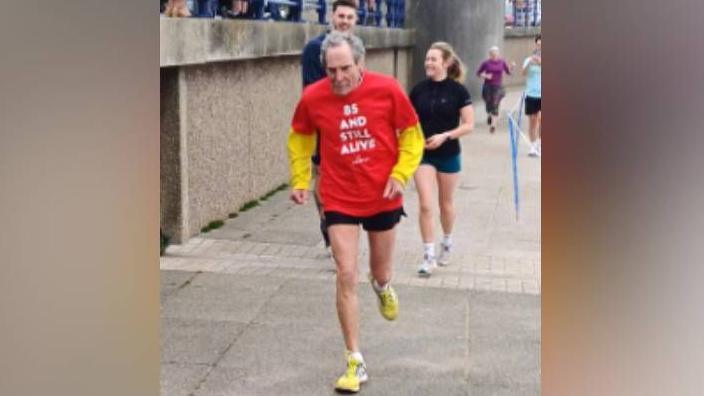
(358, 141)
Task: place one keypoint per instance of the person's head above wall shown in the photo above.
(344, 15)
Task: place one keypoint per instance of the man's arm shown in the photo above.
(410, 152)
(300, 148)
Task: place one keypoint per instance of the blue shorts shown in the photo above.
(443, 164)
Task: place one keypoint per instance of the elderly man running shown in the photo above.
(372, 144)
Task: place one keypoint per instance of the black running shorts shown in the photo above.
(383, 221)
(532, 105)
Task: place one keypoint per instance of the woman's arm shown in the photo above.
(480, 71)
(466, 126)
(524, 70)
(466, 123)
(508, 68)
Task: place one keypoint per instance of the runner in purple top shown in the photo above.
(492, 70)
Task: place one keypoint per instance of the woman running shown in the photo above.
(444, 107)
(532, 69)
(492, 70)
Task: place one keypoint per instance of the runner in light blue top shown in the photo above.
(532, 68)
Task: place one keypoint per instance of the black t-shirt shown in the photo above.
(438, 105)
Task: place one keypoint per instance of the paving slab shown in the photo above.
(505, 340)
(179, 379)
(221, 297)
(194, 341)
(171, 281)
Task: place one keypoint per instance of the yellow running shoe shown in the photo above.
(355, 374)
(388, 300)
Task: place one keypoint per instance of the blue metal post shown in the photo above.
(362, 12)
(257, 9)
(390, 12)
(297, 11)
(401, 15)
(378, 14)
(322, 11)
(512, 134)
(207, 8)
(395, 16)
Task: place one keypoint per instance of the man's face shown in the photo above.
(344, 18)
(341, 69)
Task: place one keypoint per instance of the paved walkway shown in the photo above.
(248, 309)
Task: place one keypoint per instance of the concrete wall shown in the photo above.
(201, 40)
(171, 185)
(470, 26)
(228, 92)
(381, 61)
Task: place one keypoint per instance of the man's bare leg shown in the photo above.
(381, 251)
(319, 205)
(345, 245)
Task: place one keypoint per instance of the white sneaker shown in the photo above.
(444, 258)
(426, 268)
(533, 151)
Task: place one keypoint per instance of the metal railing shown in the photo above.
(288, 10)
(371, 12)
(379, 13)
(523, 13)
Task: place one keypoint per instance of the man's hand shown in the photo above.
(393, 189)
(299, 196)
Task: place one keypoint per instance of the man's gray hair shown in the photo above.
(336, 39)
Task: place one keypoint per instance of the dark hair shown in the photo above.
(456, 69)
(538, 37)
(344, 3)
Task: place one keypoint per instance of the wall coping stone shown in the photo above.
(528, 31)
(191, 41)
